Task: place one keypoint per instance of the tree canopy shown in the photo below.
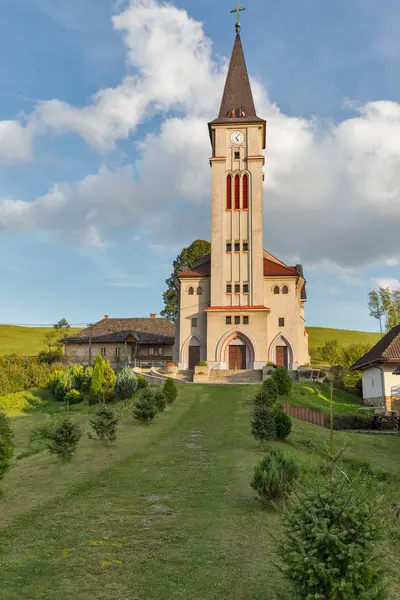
(384, 305)
(185, 260)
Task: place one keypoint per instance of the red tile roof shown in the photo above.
(118, 330)
(233, 308)
(271, 269)
(386, 350)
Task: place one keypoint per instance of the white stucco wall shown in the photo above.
(392, 382)
(372, 383)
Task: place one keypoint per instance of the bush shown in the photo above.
(64, 384)
(142, 382)
(6, 445)
(338, 374)
(104, 425)
(86, 380)
(73, 397)
(145, 409)
(263, 423)
(97, 384)
(63, 439)
(347, 422)
(274, 477)
(18, 374)
(203, 363)
(50, 356)
(170, 391)
(283, 380)
(126, 383)
(328, 549)
(160, 400)
(283, 423)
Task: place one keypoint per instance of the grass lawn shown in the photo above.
(167, 512)
(25, 341)
(305, 394)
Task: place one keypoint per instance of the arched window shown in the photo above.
(237, 192)
(276, 290)
(191, 291)
(199, 291)
(245, 200)
(285, 289)
(229, 192)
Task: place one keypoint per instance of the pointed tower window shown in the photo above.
(236, 113)
(276, 290)
(237, 192)
(229, 192)
(245, 192)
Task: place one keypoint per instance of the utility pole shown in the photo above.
(90, 344)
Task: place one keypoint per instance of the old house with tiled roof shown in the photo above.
(380, 368)
(146, 342)
(240, 307)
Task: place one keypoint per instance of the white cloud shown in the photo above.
(387, 282)
(332, 192)
(15, 141)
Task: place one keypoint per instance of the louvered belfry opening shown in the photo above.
(229, 192)
(245, 192)
(237, 192)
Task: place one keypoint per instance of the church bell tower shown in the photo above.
(238, 138)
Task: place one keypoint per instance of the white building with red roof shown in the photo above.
(240, 307)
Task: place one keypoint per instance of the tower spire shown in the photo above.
(238, 10)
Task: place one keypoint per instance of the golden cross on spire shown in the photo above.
(238, 10)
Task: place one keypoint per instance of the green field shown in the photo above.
(317, 336)
(167, 512)
(28, 341)
(25, 341)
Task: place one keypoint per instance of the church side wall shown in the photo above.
(192, 307)
(286, 306)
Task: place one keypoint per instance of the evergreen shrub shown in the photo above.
(104, 425)
(145, 408)
(283, 380)
(203, 363)
(63, 439)
(160, 400)
(126, 383)
(170, 391)
(328, 550)
(274, 476)
(263, 423)
(268, 394)
(142, 382)
(283, 423)
(6, 445)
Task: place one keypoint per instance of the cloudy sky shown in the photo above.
(96, 92)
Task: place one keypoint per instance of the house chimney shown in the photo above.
(153, 316)
(105, 317)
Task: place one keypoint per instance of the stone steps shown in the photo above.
(226, 376)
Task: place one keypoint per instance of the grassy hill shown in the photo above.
(167, 512)
(28, 341)
(319, 335)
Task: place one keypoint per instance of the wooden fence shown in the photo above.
(316, 417)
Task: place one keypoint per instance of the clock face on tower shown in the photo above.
(237, 138)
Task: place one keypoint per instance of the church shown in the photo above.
(240, 307)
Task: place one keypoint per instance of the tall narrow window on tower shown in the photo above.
(245, 192)
(229, 192)
(237, 192)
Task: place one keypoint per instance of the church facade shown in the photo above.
(240, 307)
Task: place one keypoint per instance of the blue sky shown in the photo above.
(96, 92)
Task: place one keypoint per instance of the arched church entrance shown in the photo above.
(281, 352)
(235, 352)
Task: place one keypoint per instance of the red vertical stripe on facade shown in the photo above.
(245, 192)
(237, 192)
(229, 192)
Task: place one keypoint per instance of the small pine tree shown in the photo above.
(6, 445)
(263, 423)
(145, 408)
(160, 400)
(109, 378)
(126, 383)
(63, 439)
(283, 423)
(268, 394)
(328, 550)
(283, 380)
(274, 477)
(170, 390)
(104, 425)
